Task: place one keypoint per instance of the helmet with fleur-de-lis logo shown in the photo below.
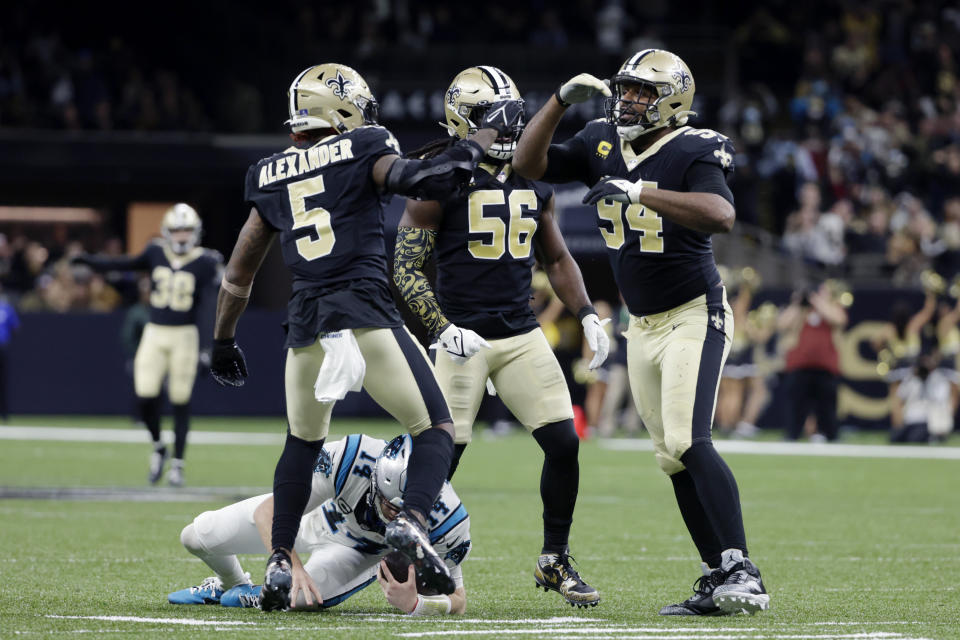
(672, 86)
(468, 98)
(330, 96)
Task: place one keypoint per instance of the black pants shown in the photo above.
(812, 391)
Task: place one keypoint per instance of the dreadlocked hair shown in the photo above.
(431, 149)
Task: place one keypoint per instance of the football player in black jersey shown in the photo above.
(183, 277)
(485, 238)
(660, 190)
(323, 196)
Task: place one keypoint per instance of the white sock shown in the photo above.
(729, 558)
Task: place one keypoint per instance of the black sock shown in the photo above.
(559, 482)
(181, 425)
(717, 490)
(428, 468)
(291, 488)
(698, 524)
(150, 414)
(458, 450)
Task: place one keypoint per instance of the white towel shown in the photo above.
(343, 366)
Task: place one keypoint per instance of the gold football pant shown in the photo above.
(166, 351)
(674, 359)
(524, 371)
(399, 378)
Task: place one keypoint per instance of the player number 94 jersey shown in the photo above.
(658, 264)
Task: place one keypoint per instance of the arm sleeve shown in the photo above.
(567, 162)
(413, 248)
(114, 263)
(705, 177)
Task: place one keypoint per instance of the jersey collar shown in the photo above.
(502, 176)
(633, 160)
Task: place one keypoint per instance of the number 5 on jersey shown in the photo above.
(318, 218)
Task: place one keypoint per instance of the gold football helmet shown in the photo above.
(470, 94)
(672, 83)
(181, 217)
(330, 96)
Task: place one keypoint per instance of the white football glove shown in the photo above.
(597, 338)
(460, 344)
(581, 88)
(616, 189)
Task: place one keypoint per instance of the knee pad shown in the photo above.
(558, 439)
(669, 465)
(190, 540)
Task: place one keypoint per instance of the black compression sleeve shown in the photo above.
(704, 177)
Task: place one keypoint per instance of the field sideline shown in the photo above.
(850, 547)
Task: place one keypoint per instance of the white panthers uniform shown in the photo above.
(343, 554)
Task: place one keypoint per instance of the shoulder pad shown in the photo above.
(376, 136)
(706, 145)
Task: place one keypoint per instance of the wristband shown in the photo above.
(585, 311)
(236, 290)
(224, 342)
(556, 94)
(432, 606)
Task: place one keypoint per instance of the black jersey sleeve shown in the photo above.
(115, 263)
(251, 195)
(567, 162)
(707, 177)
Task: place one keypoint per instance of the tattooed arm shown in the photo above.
(416, 239)
(252, 245)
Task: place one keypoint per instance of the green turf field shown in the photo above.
(850, 547)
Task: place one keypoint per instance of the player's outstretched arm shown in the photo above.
(442, 176)
(101, 264)
(530, 157)
(567, 281)
(403, 595)
(303, 589)
(705, 212)
(228, 366)
(416, 239)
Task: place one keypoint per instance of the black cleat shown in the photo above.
(277, 582)
(157, 460)
(554, 573)
(701, 602)
(406, 535)
(742, 589)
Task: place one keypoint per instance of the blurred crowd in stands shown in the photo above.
(845, 115)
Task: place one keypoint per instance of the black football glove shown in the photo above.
(227, 364)
(504, 117)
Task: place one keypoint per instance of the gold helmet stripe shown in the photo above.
(293, 91)
(501, 88)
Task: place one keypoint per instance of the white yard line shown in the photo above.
(803, 449)
(137, 436)
(184, 621)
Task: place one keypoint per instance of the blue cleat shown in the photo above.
(243, 595)
(207, 592)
